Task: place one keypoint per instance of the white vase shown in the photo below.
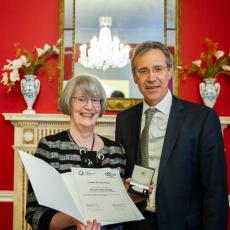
(30, 87)
(209, 91)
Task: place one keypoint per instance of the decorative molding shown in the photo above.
(6, 196)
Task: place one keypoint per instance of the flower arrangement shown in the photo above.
(212, 62)
(28, 63)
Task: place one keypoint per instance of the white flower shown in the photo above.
(5, 79)
(16, 64)
(55, 49)
(40, 51)
(24, 61)
(197, 63)
(7, 67)
(46, 47)
(28, 63)
(226, 67)
(219, 54)
(14, 75)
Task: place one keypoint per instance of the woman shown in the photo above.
(84, 99)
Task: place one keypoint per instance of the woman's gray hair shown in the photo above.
(149, 45)
(89, 85)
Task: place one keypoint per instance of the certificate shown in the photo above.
(102, 196)
(83, 193)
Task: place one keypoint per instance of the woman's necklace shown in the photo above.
(82, 148)
(84, 155)
(86, 160)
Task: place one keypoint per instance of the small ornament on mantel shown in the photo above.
(30, 87)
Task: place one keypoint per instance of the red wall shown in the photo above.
(33, 23)
(200, 19)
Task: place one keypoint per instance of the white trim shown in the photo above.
(49, 117)
(6, 196)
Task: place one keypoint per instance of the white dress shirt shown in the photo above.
(157, 132)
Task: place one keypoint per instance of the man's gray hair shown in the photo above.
(149, 45)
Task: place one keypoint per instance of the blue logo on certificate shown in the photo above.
(110, 174)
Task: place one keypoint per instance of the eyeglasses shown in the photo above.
(156, 69)
(82, 100)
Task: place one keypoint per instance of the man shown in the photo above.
(185, 147)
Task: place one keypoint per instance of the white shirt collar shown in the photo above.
(163, 106)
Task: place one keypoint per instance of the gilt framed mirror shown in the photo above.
(81, 22)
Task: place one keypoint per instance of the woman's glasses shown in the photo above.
(83, 100)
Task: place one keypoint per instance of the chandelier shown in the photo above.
(104, 51)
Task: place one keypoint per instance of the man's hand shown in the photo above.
(136, 197)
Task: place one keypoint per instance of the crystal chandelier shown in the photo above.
(104, 52)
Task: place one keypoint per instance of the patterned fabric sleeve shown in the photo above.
(115, 156)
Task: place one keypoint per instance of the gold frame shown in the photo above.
(119, 104)
(61, 52)
(176, 89)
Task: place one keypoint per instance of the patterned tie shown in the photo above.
(145, 137)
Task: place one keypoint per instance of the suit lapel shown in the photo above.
(135, 131)
(175, 121)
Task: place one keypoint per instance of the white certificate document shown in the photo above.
(85, 194)
(103, 196)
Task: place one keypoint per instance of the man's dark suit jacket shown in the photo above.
(191, 187)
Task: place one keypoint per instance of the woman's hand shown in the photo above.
(93, 225)
(89, 225)
(61, 221)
